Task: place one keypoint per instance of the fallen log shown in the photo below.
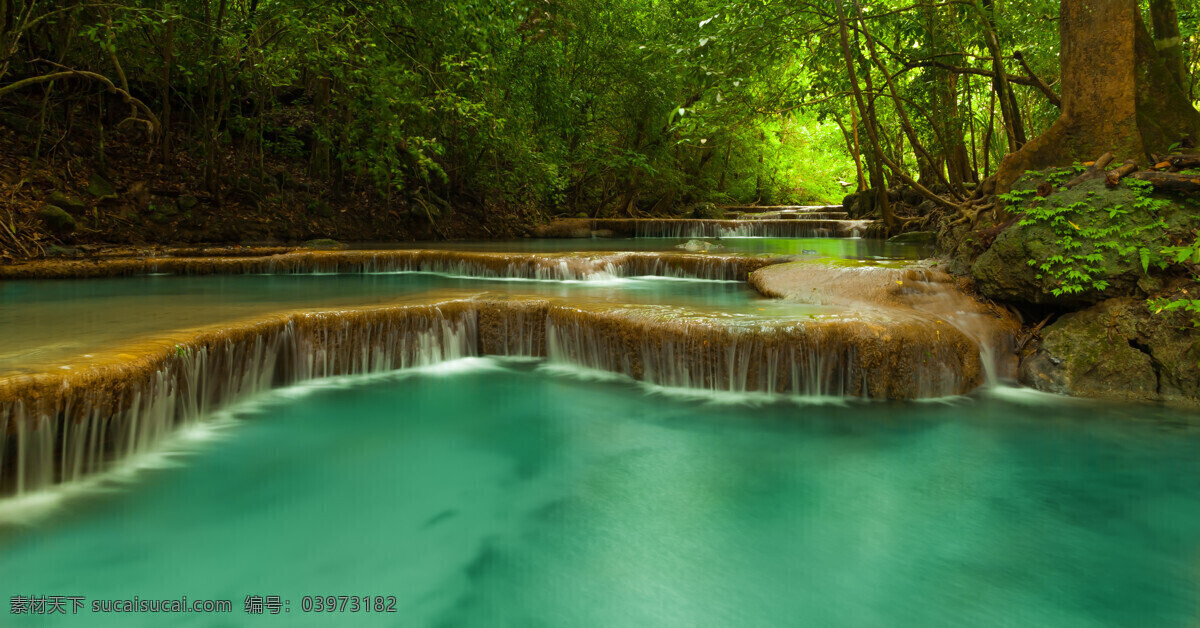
(1170, 181)
(1094, 171)
(1114, 176)
(1176, 162)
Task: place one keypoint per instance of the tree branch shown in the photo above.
(151, 121)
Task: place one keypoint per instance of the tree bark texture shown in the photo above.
(1127, 104)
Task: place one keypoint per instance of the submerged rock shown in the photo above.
(699, 245)
(1117, 349)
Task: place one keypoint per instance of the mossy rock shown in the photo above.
(324, 243)
(69, 203)
(57, 219)
(160, 217)
(1004, 272)
(100, 187)
(55, 250)
(914, 237)
(1117, 349)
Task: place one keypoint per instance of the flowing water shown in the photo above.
(840, 248)
(501, 493)
(52, 324)
(710, 471)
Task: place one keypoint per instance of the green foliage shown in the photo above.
(1077, 264)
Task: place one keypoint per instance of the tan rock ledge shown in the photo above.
(472, 263)
(59, 427)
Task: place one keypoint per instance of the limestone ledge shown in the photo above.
(484, 264)
(58, 427)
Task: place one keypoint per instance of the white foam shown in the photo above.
(712, 396)
(1027, 396)
(30, 508)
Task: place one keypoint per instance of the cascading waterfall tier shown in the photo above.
(757, 228)
(58, 428)
(922, 294)
(793, 226)
(568, 267)
(61, 427)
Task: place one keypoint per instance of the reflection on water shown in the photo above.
(495, 493)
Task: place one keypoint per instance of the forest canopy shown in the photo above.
(598, 107)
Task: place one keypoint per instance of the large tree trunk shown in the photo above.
(1117, 94)
(1167, 41)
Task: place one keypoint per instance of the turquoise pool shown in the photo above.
(486, 492)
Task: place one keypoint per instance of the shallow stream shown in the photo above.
(489, 491)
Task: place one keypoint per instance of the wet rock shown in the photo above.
(1117, 349)
(69, 203)
(914, 237)
(699, 245)
(100, 187)
(1003, 271)
(324, 243)
(57, 219)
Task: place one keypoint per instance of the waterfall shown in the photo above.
(926, 297)
(757, 228)
(825, 358)
(61, 427)
(536, 266)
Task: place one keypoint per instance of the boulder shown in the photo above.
(69, 203)
(1003, 271)
(1117, 349)
(100, 187)
(914, 237)
(57, 219)
(911, 197)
